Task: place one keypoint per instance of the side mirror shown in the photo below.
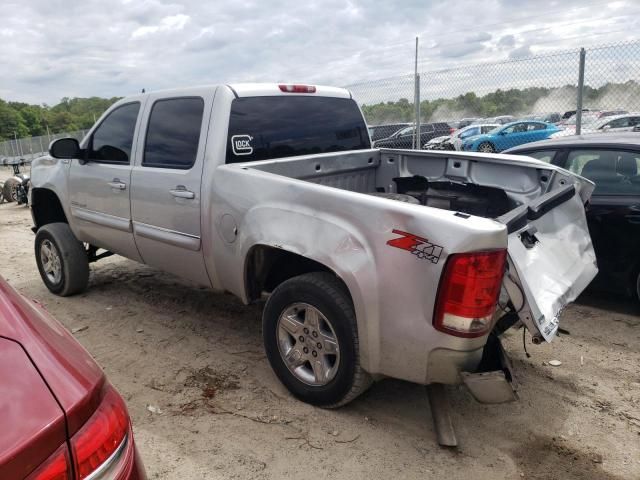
(65, 148)
(502, 132)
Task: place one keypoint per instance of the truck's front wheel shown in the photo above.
(311, 339)
(62, 260)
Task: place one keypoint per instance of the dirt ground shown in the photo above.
(196, 358)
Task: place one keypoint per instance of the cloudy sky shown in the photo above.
(51, 49)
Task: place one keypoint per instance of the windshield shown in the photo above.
(405, 131)
(281, 126)
(587, 118)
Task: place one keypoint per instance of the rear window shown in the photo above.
(613, 172)
(276, 127)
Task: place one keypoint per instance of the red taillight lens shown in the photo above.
(451, 130)
(297, 88)
(56, 467)
(469, 292)
(101, 435)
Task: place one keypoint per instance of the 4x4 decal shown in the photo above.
(418, 246)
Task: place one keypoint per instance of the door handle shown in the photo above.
(181, 192)
(117, 184)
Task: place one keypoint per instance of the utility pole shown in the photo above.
(416, 103)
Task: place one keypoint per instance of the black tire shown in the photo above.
(486, 147)
(1, 192)
(74, 264)
(329, 296)
(10, 190)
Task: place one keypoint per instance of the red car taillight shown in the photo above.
(92, 445)
(468, 293)
(101, 435)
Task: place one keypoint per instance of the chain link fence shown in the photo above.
(32, 147)
(518, 101)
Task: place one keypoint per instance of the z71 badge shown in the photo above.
(418, 246)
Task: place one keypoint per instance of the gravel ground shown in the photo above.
(221, 413)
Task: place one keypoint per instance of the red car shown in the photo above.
(60, 418)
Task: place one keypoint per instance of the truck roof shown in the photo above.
(260, 90)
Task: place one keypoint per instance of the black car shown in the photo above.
(378, 132)
(612, 162)
(570, 113)
(404, 138)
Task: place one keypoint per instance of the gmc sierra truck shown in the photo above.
(373, 262)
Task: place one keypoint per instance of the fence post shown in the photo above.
(580, 92)
(418, 136)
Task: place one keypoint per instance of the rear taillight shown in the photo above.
(451, 130)
(92, 445)
(468, 293)
(105, 430)
(297, 88)
(56, 467)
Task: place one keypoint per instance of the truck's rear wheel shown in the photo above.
(62, 260)
(311, 339)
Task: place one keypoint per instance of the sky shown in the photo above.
(51, 49)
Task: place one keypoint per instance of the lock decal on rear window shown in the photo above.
(241, 144)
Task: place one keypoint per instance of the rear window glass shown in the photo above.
(613, 172)
(173, 133)
(544, 155)
(281, 126)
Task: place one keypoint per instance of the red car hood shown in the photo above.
(70, 373)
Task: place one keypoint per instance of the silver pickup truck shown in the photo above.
(373, 262)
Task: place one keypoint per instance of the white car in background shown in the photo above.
(454, 141)
(614, 123)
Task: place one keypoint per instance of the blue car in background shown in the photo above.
(509, 135)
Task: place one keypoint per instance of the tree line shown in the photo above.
(507, 102)
(25, 120)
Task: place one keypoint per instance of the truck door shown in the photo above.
(99, 185)
(166, 183)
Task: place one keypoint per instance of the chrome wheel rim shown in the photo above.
(486, 148)
(308, 344)
(51, 263)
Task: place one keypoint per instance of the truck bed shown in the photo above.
(489, 186)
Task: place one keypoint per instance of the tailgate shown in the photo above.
(551, 258)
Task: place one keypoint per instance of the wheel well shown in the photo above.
(46, 207)
(267, 267)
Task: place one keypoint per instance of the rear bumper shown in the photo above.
(486, 372)
(445, 365)
(132, 467)
(125, 464)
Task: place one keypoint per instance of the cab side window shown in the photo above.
(173, 133)
(111, 142)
